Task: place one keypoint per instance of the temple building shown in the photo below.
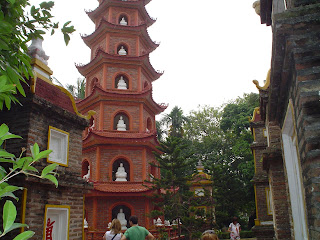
(286, 125)
(48, 116)
(118, 146)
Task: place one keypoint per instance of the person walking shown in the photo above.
(234, 229)
(136, 232)
(115, 231)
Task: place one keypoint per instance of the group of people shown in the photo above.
(136, 232)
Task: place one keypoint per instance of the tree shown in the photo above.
(17, 29)
(221, 139)
(172, 187)
(78, 90)
(175, 120)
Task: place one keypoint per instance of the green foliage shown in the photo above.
(78, 90)
(171, 191)
(175, 120)
(221, 139)
(19, 165)
(17, 29)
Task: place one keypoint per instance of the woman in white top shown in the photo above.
(115, 231)
(234, 229)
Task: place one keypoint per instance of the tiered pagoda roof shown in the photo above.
(103, 57)
(140, 5)
(105, 26)
(144, 96)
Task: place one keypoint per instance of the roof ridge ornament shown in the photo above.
(266, 84)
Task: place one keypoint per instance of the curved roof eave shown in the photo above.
(139, 4)
(157, 108)
(104, 25)
(101, 55)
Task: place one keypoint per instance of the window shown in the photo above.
(56, 225)
(58, 142)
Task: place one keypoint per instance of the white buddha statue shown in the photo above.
(87, 176)
(159, 222)
(122, 51)
(121, 175)
(122, 218)
(122, 84)
(121, 126)
(85, 223)
(123, 22)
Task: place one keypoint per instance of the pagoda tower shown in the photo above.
(118, 146)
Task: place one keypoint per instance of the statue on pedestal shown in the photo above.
(121, 126)
(123, 22)
(122, 218)
(87, 176)
(122, 51)
(121, 174)
(122, 84)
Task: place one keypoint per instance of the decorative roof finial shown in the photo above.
(35, 50)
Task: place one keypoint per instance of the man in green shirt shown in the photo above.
(136, 232)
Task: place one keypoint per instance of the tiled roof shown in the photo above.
(120, 187)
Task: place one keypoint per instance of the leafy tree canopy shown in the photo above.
(18, 28)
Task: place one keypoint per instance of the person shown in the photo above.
(115, 231)
(209, 235)
(234, 229)
(136, 232)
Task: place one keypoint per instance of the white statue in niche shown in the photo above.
(87, 176)
(123, 22)
(122, 51)
(121, 175)
(122, 84)
(85, 223)
(122, 218)
(121, 126)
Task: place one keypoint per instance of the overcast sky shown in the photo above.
(210, 51)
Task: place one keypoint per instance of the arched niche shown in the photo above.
(93, 82)
(153, 171)
(85, 170)
(122, 49)
(145, 85)
(116, 165)
(149, 124)
(126, 210)
(119, 119)
(123, 19)
(122, 78)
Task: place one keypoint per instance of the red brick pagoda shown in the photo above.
(117, 148)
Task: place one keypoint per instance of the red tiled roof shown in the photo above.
(120, 187)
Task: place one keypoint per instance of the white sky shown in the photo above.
(210, 50)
